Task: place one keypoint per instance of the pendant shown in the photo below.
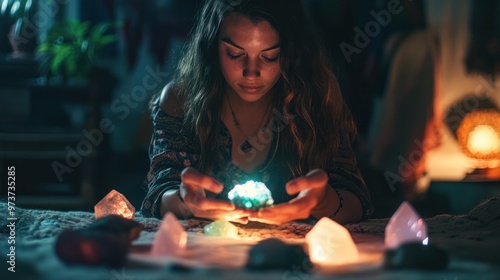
(246, 147)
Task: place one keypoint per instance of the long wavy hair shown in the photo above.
(307, 93)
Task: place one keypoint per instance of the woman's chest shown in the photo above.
(249, 152)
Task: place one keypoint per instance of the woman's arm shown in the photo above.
(170, 152)
(344, 176)
(341, 205)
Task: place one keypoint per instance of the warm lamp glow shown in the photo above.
(405, 226)
(330, 243)
(114, 203)
(170, 238)
(479, 135)
(483, 140)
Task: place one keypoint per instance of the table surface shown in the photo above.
(472, 241)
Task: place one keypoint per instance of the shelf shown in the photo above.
(42, 154)
(43, 133)
(45, 137)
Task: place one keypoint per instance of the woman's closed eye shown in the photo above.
(234, 55)
(271, 59)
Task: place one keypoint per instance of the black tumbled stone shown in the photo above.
(273, 253)
(93, 248)
(416, 256)
(118, 225)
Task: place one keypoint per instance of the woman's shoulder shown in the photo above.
(170, 101)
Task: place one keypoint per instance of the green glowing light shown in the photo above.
(221, 228)
(251, 195)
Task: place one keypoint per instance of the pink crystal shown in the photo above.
(170, 238)
(114, 203)
(330, 243)
(405, 226)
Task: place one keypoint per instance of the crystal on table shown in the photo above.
(114, 203)
(170, 238)
(251, 195)
(405, 226)
(221, 228)
(330, 243)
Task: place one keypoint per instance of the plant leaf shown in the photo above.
(108, 39)
(61, 55)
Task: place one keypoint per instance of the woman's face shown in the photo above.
(249, 56)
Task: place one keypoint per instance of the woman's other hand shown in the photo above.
(310, 188)
(192, 191)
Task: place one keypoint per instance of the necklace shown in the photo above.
(246, 147)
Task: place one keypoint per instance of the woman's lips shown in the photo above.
(251, 89)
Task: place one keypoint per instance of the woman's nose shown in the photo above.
(252, 68)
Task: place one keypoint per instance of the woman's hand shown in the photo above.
(310, 189)
(192, 191)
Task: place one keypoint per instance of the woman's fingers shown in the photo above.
(233, 216)
(296, 209)
(242, 220)
(192, 177)
(194, 200)
(317, 178)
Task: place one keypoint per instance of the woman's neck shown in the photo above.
(243, 107)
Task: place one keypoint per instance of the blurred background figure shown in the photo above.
(375, 44)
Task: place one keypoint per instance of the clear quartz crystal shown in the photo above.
(114, 203)
(221, 228)
(405, 226)
(330, 243)
(171, 238)
(251, 195)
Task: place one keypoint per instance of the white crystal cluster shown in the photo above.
(251, 195)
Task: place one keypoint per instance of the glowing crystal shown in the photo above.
(330, 243)
(114, 203)
(405, 226)
(221, 228)
(170, 238)
(251, 195)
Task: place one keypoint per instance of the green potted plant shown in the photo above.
(71, 48)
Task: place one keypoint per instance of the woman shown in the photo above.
(254, 99)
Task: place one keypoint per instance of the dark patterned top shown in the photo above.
(172, 150)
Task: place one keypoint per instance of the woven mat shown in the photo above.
(472, 240)
(481, 224)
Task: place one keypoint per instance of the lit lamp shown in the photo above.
(479, 137)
